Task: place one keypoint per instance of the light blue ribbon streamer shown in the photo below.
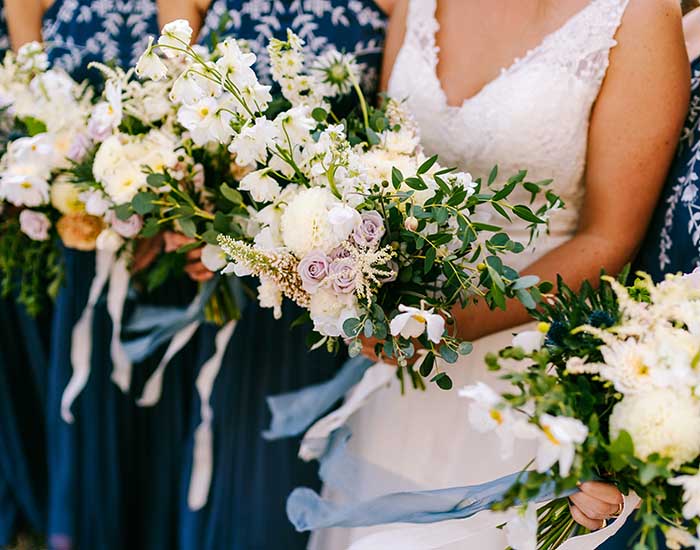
(293, 413)
(162, 323)
(339, 469)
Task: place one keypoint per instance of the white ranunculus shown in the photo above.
(660, 421)
(20, 190)
(329, 311)
(109, 241)
(412, 322)
(521, 531)
(124, 183)
(691, 494)
(557, 442)
(213, 257)
(343, 220)
(150, 64)
(262, 187)
(34, 225)
(305, 224)
(176, 34)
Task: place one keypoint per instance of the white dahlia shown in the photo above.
(306, 225)
(660, 421)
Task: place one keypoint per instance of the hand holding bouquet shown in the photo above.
(611, 394)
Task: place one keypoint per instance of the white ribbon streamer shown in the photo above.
(154, 385)
(316, 438)
(203, 452)
(81, 339)
(116, 298)
(481, 531)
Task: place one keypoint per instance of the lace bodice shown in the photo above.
(534, 115)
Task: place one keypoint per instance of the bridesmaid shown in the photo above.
(673, 240)
(23, 361)
(672, 243)
(252, 477)
(114, 473)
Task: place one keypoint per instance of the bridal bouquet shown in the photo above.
(43, 112)
(355, 224)
(611, 394)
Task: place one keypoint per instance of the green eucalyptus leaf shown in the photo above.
(143, 202)
(352, 327)
(427, 365)
(448, 354)
(231, 194)
(188, 227)
(443, 381)
(427, 165)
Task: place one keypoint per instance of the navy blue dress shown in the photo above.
(252, 477)
(23, 361)
(673, 240)
(114, 474)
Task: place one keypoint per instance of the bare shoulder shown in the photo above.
(658, 20)
(651, 44)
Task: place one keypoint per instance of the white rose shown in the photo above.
(34, 225)
(96, 202)
(329, 311)
(343, 219)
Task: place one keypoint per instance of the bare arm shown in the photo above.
(395, 33)
(24, 21)
(387, 6)
(634, 132)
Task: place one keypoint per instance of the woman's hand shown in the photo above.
(368, 345)
(595, 504)
(146, 252)
(194, 268)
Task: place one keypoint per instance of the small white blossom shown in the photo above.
(261, 186)
(521, 531)
(176, 34)
(691, 494)
(150, 65)
(413, 322)
(213, 257)
(557, 440)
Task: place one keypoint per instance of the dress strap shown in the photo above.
(421, 28)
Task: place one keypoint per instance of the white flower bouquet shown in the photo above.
(43, 114)
(354, 223)
(611, 394)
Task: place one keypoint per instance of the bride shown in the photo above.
(595, 99)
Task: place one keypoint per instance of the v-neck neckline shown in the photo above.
(505, 70)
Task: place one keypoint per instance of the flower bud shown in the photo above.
(411, 223)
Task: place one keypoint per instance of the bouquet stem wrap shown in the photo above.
(107, 268)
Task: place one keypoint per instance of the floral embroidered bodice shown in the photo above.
(535, 115)
(352, 26)
(77, 32)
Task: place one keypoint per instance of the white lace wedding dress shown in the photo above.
(535, 115)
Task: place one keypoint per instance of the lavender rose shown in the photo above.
(127, 228)
(313, 269)
(339, 253)
(79, 147)
(343, 273)
(34, 225)
(369, 232)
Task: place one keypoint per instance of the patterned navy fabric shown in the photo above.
(354, 26)
(673, 240)
(23, 348)
(77, 32)
(252, 477)
(114, 473)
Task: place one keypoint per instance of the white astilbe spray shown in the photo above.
(281, 267)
